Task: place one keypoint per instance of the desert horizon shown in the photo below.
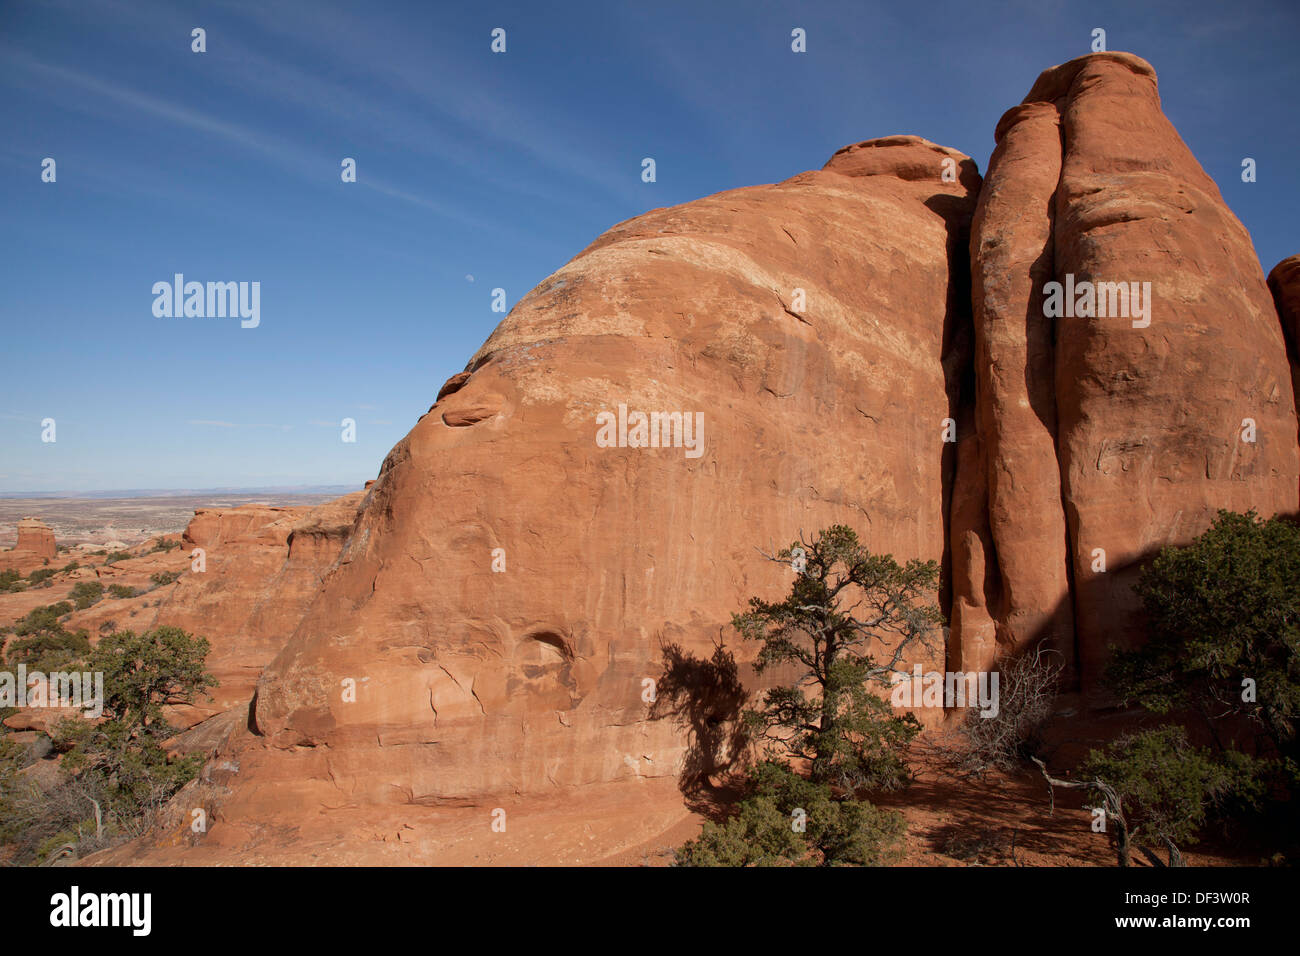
(104, 517)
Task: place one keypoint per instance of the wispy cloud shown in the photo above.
(219, 424)
(303, 164)
(568, 145)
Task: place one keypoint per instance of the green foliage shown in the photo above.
(828, 715)
(129, 765)
(789, 821)
(1166, 787)
(41, 576)
(143, 673)
(42, 643)
(11, 580)
(53, 650)
(122, 756)
(163, 578)
(164, 545)
(121, 591)
(70, 566)
(14, 788)
(42, 618)
(86, 593)
(1222, 610)
(115, 773)
(116, 556)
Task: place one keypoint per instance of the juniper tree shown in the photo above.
(851, 620)
(1224, 614)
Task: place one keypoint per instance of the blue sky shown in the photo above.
(501, 167)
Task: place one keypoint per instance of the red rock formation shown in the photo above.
(816, 325)
(261, 567)
(488, 626)
(1011, 252)
(34, 548)
(35, 536)
(1284, 283)
(1147, 420)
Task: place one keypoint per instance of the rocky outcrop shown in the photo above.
(1284, 283)
(34, 547)
(1012, 257)
(504, 596)
(35, 536)
(1145, 420)
(258, 570)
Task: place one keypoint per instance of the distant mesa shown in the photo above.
(34, 547)
(35, 535)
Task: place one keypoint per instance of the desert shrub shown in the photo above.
(44, 618)
(1027, 687)
(70, 566)
(1159, 789)
(41, 577)
(50, 650)
(116, 556)
(1224, 649)
(86, 593)
(42, 643)
(142, 674)
(14, 788)
(1224, 616)
(786, 820)
(163, 578)
(115, 772)
(11, 580)
(121, 591)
